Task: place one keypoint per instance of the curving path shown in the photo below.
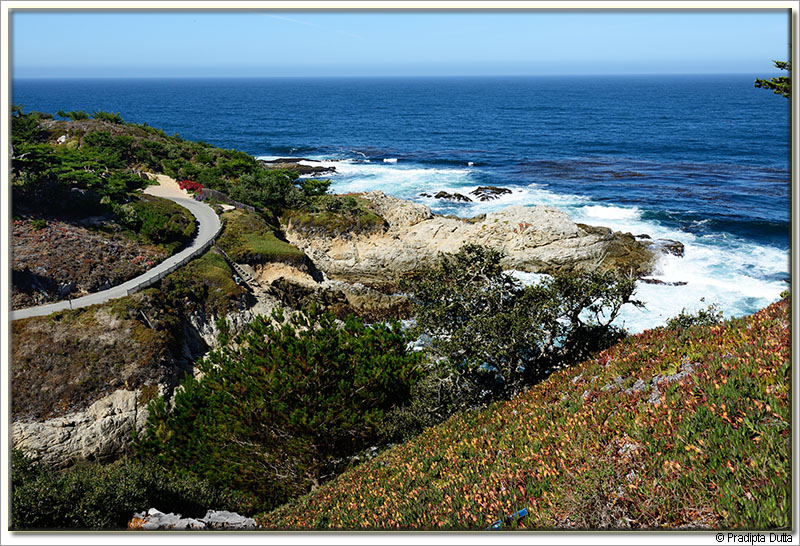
(208, 226)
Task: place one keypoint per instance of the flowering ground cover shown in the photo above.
(670, 428)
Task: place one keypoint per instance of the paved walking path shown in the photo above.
(208, 226)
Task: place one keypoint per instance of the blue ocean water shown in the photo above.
(700, 159)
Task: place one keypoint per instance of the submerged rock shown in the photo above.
(487, 193)
(451, 197)
(648, 280)
(669, 246)
(293, 164)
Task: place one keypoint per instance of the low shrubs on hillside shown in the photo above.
(159, 221)
(668, 429)
(283, 405)
(65, 361)
(94, 496)
(333, 215)
(205, 284)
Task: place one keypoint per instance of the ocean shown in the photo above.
(704, 160)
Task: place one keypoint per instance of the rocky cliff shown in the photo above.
(536, 239)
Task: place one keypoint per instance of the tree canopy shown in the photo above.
(488, 325)
(284, 403)
(780, 85)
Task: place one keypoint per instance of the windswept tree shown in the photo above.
(281, 407)
(780, 85)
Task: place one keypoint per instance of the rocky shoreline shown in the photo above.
(534, 239)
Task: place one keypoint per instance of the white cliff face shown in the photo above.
(537, 239)
(100, 432)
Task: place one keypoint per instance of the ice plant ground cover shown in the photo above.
(670, 428)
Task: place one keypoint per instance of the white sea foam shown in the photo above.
(605, 212)
(390, 160)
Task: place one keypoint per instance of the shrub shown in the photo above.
(280, 407)
(109, 117)
(267, 189)
(160, 221)
(188, 185)
(710, 316)
(74, 115)
(98, 496)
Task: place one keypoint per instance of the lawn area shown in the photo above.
(247, 238)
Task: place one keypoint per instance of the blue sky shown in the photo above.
(309, 43)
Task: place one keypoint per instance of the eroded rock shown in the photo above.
(101, 432)
(537, 239)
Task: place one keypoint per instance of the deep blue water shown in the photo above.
(703, 159)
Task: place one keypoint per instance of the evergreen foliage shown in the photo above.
(281, 406)
(780, 85)
(94, 496)
(709, 316)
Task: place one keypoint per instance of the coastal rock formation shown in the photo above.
(448, 196)
(101, 432)
(537, 239)
(293, 164)
(487, 193)
(98, 426)
(296, 288)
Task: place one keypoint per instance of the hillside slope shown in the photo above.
(668, 429)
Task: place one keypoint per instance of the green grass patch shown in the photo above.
(334, 215)
(585, 449)
(206, 282)
(248, 238)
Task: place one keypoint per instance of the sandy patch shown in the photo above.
(168, 187)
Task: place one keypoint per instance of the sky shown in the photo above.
(49, 44)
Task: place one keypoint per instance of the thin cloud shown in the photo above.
(306, 23)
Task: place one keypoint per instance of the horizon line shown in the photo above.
(387, 76)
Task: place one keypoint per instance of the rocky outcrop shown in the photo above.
(154, 520)
(101, 432)
(448, 196)
(293, 164)
(487, 193)
(537, 239)
(296, 288)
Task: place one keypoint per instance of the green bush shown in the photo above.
(74, 115)
(280, 408)
(267, 189)
(160, 221)
(96, 496)
(710, 316)
(110, 117)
